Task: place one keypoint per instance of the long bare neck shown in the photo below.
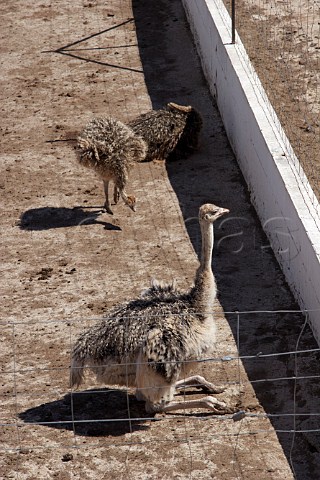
(205, 285)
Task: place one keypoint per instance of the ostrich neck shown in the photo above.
(207, 237)
(205, 285)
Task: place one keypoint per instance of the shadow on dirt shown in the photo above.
(248, 276)
(79, 48)
(99, 412)
(45, 218)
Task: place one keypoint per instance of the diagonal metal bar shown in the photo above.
(93, 35)
(89, 60)
(65, 49)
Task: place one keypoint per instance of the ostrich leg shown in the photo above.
(198, 382)
(107, 205)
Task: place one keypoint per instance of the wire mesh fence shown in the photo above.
(282, 39)
(39, 410)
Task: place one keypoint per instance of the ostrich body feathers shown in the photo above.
(110, 147)
(162, 326)
(172, 130)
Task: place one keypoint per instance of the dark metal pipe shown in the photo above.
(233, 19)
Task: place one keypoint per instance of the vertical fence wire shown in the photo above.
(294, 395)
(71, 394)
(15, 389)
(236, 463)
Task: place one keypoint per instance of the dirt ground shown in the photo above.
(64, 263)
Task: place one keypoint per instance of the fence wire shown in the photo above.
(282, 39)
(36, 394)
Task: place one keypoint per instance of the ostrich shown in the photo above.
(110, 147)
(171, 131)
(152, 342)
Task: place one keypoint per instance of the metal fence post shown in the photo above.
(233, 20)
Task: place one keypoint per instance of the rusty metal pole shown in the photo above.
(233, 20)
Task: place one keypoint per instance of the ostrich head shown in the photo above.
(131, 202)
(209, 213)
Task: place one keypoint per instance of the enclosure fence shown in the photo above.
(282, 39)
(35, 391)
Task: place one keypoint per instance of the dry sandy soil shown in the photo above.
(64, 263)
(282, 39)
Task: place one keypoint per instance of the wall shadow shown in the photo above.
(248, 276)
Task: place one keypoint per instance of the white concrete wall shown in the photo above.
(281, 194)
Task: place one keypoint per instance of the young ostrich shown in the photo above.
(111, 148)
(171, 131)
(154, 340)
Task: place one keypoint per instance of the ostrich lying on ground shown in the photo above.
(154, 340)
(111, 148)
(172, 130)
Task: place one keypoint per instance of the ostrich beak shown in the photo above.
(223, 211)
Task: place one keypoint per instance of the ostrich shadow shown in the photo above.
(92, 413)
(99, 412)
(45, 218)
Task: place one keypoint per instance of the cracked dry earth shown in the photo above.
(64, 263)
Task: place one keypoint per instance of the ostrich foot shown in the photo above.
(216, 406)
(209, 403)
(108, 208)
